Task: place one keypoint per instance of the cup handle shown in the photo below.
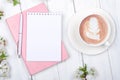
(107, 44)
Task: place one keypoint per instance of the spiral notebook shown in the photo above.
(43, 36)
(13, 24)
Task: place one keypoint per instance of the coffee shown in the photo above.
(93, 29)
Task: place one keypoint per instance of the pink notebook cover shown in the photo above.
(13, 23)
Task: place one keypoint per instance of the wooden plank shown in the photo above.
(112, 7)
(48, 74)
(100, 62)
(8, 8)
(81, 5)
(15, 67)
(66, 69)
(26, 4)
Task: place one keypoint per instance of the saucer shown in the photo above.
(76, 41)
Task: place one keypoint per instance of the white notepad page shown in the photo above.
(43, 37)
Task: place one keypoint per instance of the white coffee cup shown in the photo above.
(101, 13)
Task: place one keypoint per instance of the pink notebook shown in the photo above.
(13, 23)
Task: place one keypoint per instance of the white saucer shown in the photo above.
(77, 43)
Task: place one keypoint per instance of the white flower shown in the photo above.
(10, 1)
(93, 72)
(4, 68)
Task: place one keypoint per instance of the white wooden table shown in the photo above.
(107, 63)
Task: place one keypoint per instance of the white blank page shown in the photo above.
(43, 37)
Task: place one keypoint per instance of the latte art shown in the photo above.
(93, 29)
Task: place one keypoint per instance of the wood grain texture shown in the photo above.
(107, 63)
(100, 62)
(112, 7)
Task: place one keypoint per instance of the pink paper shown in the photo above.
(13, 23)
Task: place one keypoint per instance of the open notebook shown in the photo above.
(43, 36)
(13, 23)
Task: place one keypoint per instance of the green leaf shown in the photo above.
(3, 56)
(1, 14)
(82, 76)
(2, 38)
(15, 2)
(84, 71)
(85, 66)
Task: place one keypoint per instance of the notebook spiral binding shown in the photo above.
(38, 13)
